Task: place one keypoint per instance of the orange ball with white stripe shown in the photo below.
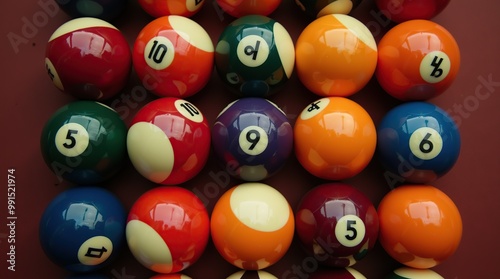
(252, 226)
(336, 55)
(173, 56)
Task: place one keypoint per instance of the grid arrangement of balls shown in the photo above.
(169, 139)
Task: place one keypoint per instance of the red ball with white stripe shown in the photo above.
(167, 229)
(88, 58)
(173, 56)
(168, 141)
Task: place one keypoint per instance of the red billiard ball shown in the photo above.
(173, 56)
(399, 11)
(88, 58)
(337, 224)
(319, 8)
(167, 229)
(335, 55)
(159, 8)
(253, 138)
(255, 56)
(335, 138)
(239, 8)
(252, 226)
(420, 226)
(417, 60)
(168, 141)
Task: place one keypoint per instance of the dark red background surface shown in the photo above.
(29, 98)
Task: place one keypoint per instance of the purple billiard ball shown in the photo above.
(252, 138)
(337, 224)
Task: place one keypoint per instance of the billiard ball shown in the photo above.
(254, 56)
(252, 138)
(165, 53)
(338, 273)
(335, 138)
(84, 142)
(167, 229)
(168, 141)
(417, 60)
(171, 276)
(82, 229)
(337, 224)
(413, 273)
(256, 274)
(240, 8)
(252, 226)
(87, 276)
(418, 142)
(336, 55)
(319, 8)
(159, 8)
(420, 226)
(88, 58)
(107, 10)
(399, 11)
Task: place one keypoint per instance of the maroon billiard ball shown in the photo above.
(88, 58)
(399, 11)
(337, 224)
(168, 141)
(337, 273)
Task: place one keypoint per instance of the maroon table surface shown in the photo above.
(29, 98)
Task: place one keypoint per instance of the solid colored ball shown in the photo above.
(171, 276)
(336, 55)
(337, 273)
(335, 138)
(399, 11)
(168, 141)
(420, 226)
(418, 142)
(84, 142)
(159, 8)
(255, 56)
(82, 229)
(252, 138)
(254, 274)
(88, 58)
(165, 53)
(337, 224)
(107, 10)
(240, 8)
(252, 226)
(167, 229)
(417, 60)
(413, 273)
(319, 8)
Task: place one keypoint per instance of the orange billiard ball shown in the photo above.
(252, 226)
(335, 55)
(335, 138)
(417, 60)
(173, 56)
(420, 226)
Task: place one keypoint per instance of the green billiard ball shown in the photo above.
(413, 273)
(254, 56)
(84, 142)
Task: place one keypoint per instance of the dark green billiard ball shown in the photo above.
(413, 273)
(84, 142)
(254, 56)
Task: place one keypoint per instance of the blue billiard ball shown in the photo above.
(82, 229)
(104, 9)
(253, 138)
(417, 143)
